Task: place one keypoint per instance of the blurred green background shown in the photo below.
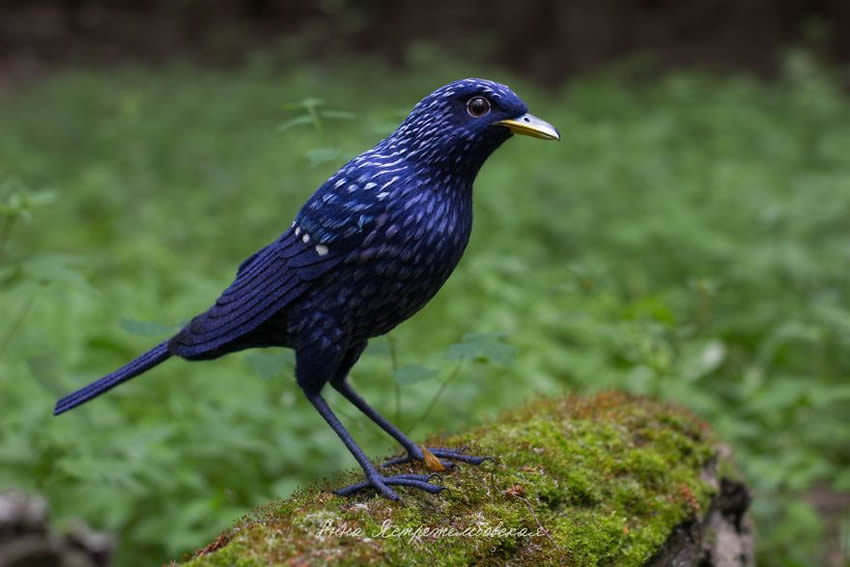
(688, 239)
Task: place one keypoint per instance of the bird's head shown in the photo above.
(459, 125)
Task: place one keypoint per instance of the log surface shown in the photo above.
(604, 480)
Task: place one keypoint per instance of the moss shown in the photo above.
(577, 481)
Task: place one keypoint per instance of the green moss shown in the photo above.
(578, 481)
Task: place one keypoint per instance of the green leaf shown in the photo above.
(825, 396)
(297, 121)
(337, 115)
(703, 359)
(18, 200)
(318, 156)
(482, 347)
(54, 268)
(8, 270)
(309, 102)
(17, 451)
(413, 373)
(781, 395)
(44, 370)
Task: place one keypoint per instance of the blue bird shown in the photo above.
(370, 247)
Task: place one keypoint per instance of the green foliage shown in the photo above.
(314, 115)
(481, 347)
(413, 373)
(687, 239)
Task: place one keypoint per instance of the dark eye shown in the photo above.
(478, 106)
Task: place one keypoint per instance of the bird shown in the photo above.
(369, 248)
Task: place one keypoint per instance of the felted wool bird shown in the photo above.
(370, 247)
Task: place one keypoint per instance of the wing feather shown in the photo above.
(265, 284)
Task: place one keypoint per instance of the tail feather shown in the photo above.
(146, 361)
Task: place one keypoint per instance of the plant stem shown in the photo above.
(5, 230)
(16, 323)
(396, 386)
(455, 373)
(314, 116)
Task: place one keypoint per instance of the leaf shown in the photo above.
(337, 115)
(432, 462)
(782, 395)
(17, 451)
(309, 102)
(482, 347)
(413, 373)
(146, 328)
(18, 201)
(297, 121)
(43, 369)
(704, 359)
(827, 395)
(713, 356)
(51, 267)
(8, 270)
(318, 156)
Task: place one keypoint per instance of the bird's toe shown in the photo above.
(441, 453)
(398, 460)
(457, 455)
(382, 485)
(448, 465)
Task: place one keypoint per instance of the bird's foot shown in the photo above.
(382, 484)
(439, 452)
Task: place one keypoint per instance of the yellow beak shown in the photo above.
(530, 125)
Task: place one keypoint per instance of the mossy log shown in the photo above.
(604, 480)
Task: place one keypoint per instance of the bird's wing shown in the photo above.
(265, 283)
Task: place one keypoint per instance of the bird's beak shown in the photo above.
(530, 125)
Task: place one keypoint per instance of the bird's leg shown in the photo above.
(414, 452)
(374, 480)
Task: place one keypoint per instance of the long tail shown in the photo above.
(148, 360)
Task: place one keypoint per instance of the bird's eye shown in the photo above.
(478, 106)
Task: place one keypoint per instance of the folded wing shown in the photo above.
(265, 284)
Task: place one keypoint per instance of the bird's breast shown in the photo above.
(403, 260)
